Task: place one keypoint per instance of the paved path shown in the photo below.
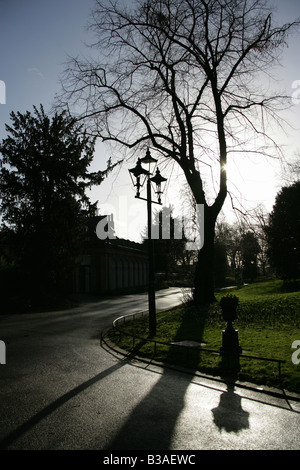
(61, 390)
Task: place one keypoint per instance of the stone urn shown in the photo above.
(229, 313)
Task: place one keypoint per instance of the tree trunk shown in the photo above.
(203, 292)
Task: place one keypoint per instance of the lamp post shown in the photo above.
(138, 173)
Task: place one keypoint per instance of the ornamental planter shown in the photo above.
(229, 313)
(230, 338)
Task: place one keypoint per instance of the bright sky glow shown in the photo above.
(36, 38)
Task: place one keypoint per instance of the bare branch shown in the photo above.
(179, 75)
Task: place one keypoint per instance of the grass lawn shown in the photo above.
(268, 321)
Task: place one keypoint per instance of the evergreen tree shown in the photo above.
(283, 233)
(43, 181)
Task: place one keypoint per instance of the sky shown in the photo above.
(37, 36)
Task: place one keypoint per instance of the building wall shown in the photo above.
(111, 269)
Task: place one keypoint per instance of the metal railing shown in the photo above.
(124, 318)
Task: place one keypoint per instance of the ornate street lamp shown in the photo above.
(138, 171)
(141, 175)
(158, 180)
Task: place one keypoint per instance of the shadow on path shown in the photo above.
(229, 415)
(151, 424)
(34, 420)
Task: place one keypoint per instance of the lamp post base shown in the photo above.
(230, 340)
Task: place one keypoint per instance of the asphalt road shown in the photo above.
(60, 389)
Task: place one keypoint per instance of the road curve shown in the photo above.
(60, 389)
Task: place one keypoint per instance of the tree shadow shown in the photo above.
(229, 415)
(152, 423)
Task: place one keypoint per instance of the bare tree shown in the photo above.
(257, 223)
(183, 77)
